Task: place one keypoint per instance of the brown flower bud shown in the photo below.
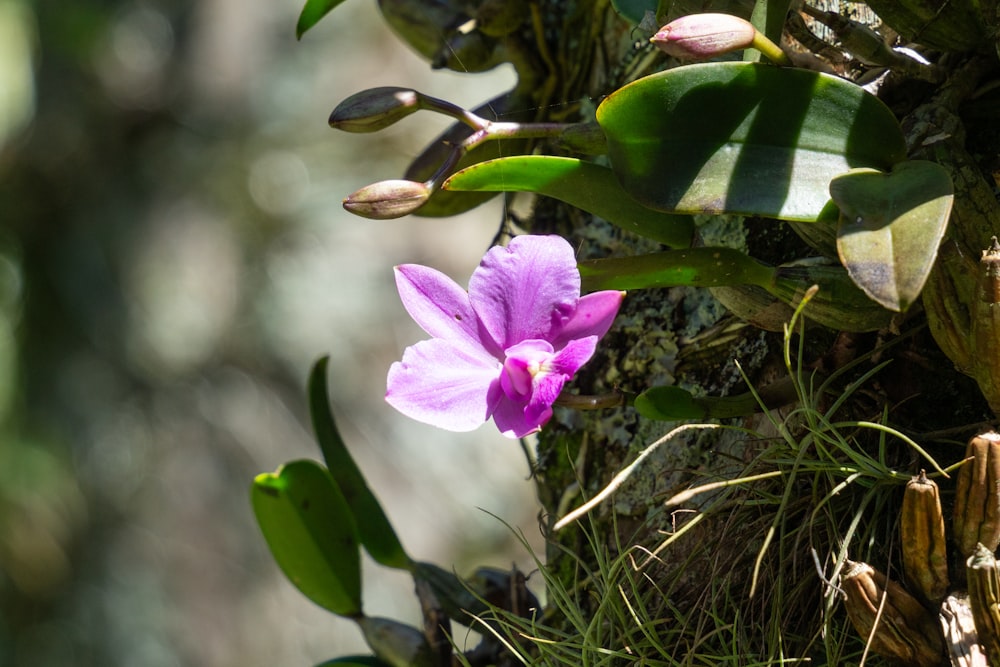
(921, 529)
(984, 599)
(375, 109)
(386, 200)
(977, 496)
(985, 314)
(896, 623)
(702, 36)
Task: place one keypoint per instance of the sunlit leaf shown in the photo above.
(374, 529)
(586, 185)
(890, 228)
(310, 531)
(744, 138)
(313, 11)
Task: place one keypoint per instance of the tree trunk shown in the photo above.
(745, 573)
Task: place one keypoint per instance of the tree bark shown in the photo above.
(685, 336)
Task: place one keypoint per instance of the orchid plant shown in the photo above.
(816, 152)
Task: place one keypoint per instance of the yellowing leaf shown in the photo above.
(890, 227)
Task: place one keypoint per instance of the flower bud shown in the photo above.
(921, 527)
(976, 517)
(984, 599)
(894, 623)
(702, 36)
(375, 109)
(386, 200)
(986, 326)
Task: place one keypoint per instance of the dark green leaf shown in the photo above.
(744, 138)
(374, 529)
(668, 404)
(310, 531)
(675, 404)
(585, 185)
(313, 11)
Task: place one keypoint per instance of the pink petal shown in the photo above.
(543, 395)
(568, 360)
(526, 290)
(510, 419)
(445, 384)
(437, 304)
(593, 316)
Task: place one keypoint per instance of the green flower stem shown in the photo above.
(770, 50)
(487, 130)
(613, 399)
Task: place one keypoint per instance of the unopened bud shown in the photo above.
(702, 36)
(893, 622)
(375, 109)
(386, 200)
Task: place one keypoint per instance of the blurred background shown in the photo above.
(173, 258)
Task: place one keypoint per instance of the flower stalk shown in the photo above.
(378, 108)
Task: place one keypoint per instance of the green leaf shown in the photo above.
(744, 138)
(313, 11)
(586, 185)
(672, 403)
(374, 529)
(891, 225)
(695, 267)
(310, 530)
(668, 404)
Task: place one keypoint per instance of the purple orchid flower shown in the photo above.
(504, 349)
